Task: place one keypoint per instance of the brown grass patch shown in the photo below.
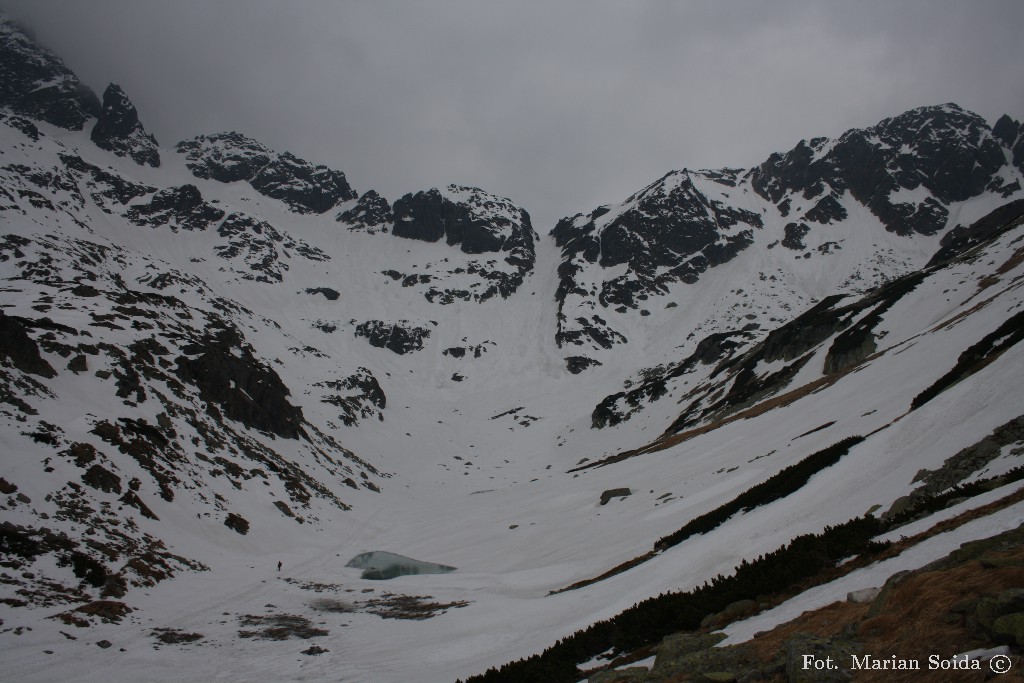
(1015, 260)
(918, 617)
(826, 621)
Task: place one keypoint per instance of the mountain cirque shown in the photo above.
(216, 357)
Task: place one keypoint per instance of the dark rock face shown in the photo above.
(305, 188)
(614, 493)
(960, 239)
(177, 207)
(945, 150)
(237, 523)
(359, 396)
(35, 83)
(476, 222)
(232, 157)
(476, 350)
(328, 293)
(226, 157)
(795, 233)
(231, 379)
(262, 249)
(670, 232)
(400, 337)
(22, 124)
(1011, 134)
(106, 189)
(427, 216)
(19, 349)
(619, 407)
(99, 477)
(118, 129)
(577, 364)
(371, 213)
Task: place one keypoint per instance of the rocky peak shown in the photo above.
(226, 157)
(119, 130)
(671, 231)
(950, 153)
(371, 213)
(478, 223)
(36, 83)
(230, 157)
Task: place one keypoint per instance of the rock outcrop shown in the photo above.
(119, 130)
(231, 157)
(36, 83)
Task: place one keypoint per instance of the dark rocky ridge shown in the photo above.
(907, 170)
(960, 239)
(177, 207)
(476, 222)
(36, 83)
(118, 129)
(429, 216)
(671, 232)
(231, 157)
(949, 152)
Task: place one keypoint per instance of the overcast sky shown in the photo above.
(560, 106)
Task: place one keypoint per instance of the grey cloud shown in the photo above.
(560, 106)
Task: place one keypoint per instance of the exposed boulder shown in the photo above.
(99, 477)
(837, 650)
(695, 655)
(608, 495)
(327, 292)
(400, 337)
(795, 233)
(577, 364)
(237, 523)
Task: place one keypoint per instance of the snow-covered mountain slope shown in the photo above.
(216, 357)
